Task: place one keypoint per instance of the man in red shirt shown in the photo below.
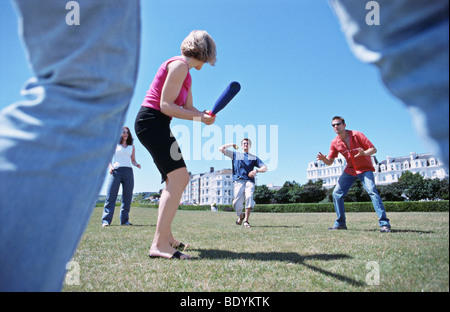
(357, 149)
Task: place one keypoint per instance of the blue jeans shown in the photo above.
(411, 49)
(341, 189)
(124, 176)
(56, 144)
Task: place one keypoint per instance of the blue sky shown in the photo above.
(294, 66)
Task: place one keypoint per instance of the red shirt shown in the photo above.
(355, 165)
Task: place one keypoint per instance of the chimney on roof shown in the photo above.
(211, 169)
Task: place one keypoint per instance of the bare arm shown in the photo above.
(111, 168)
(190, 103)
(253, 173)
(325, 159)
(223, 148)
(262, 169)
(369, 152)
(133, 159)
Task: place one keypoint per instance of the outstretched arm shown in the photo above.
(325, 159)
(223, 148)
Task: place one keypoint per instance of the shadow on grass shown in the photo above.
(131, 226)
(290, 257)
(401, 231)
(276, 226)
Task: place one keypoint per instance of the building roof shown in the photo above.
(409, 158)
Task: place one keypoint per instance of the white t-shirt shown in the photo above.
(122, 156)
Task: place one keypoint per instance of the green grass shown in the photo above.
(289, 252)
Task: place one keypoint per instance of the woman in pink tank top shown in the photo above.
(170, 96)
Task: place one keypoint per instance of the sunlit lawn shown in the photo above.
(290, 252)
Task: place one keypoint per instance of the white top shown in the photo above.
(122, 156)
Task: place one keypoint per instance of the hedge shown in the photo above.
(407, 206)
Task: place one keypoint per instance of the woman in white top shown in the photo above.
(121, 173)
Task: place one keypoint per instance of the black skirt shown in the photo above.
(153, 130)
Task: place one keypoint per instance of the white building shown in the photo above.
(391, 169)
(209, 188)
(328, 174)
(191, 194)
(386, 172)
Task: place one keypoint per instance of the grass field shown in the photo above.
(289, 252)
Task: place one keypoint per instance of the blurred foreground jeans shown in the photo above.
(410, 46)
(55, 146)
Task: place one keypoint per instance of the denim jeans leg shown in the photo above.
(341, 189)
(55, 144)
(368, 180)
(111, 196)
(127, 194)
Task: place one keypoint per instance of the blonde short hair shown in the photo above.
(199, 45)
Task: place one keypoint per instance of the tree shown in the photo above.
(413, 185)
(287, 193)
(391, 192)
(357, 193)
(432, 188)
(313, 192)
(443, 191)
(262, 194)
(295, 193)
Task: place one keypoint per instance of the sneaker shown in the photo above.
(105, 224)
(341, 227)
(385, 229)
(127, 223)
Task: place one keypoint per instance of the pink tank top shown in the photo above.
(153, 97)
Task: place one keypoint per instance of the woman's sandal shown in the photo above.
(180, 246)
(176, 255)
(246, 224)
(239, 220)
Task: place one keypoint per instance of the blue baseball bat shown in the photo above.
(225, 98)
